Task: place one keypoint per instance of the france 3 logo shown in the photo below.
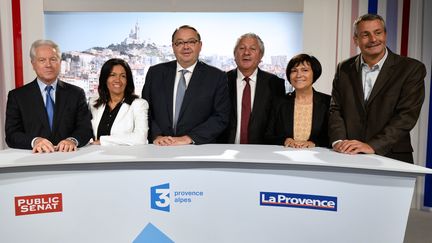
(160, 197)
(279, 199)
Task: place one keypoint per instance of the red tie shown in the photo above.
(245, 112)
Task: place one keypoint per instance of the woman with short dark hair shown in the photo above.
(300, 119)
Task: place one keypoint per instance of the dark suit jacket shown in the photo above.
(392, 110)
(26, 116)
(205, 110)
(268, 88)
(281, 124)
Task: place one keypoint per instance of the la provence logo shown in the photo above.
(279, 199)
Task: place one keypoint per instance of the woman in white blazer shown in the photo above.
(119, 116)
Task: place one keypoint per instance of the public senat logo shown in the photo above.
(36, 204)
(279, 199)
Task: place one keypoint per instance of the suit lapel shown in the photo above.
(232, 87)
(259, 90)
(99, 114)
(193, 88)
(169, 88)
(289, 125)
(383, 76)
(39, 105)
(317, 113)
(356, 78)
(60, 103)
(124, 109)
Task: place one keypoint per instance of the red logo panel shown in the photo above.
(35, 204)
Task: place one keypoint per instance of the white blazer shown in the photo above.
(130, 126)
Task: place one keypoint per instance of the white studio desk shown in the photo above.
(204, 193)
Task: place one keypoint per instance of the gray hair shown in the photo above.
(39, 43)
(251, 35)
(367, 17)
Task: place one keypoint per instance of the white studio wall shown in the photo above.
(320, 38)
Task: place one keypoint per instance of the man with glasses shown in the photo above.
(47, 115)
(188, 99)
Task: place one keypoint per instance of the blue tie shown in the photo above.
(181, 89)
(49, 105)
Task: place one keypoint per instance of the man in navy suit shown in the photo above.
(47, 115)
(188, 99)
(264, 89)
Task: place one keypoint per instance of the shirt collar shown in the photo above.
(42, 85)
(378, 65)
(252, 78)
(190, 68)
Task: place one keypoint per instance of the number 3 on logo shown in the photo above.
(160, 197)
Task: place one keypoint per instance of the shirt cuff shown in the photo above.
(335, 142)
(74, 140)
(33, 141)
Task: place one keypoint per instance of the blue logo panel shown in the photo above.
(279, 199)
(160, 197)
(151, 234)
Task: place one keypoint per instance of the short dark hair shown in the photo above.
(302, 58)
(104, 95)
(186, 27)
(367, 17)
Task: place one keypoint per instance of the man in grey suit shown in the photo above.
(47, 115)
(263, 88)
(376, 96)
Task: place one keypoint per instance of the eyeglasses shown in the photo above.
(181, 43)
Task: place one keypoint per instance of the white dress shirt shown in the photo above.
(240, 83)
(370, 74)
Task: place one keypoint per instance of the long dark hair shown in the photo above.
(104, 95)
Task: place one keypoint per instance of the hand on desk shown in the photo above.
(66, 145)
(353, 147)
(171, 141)
(291, 143)
(43, 145)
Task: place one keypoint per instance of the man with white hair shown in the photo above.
(252, 92)
(47, 114)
